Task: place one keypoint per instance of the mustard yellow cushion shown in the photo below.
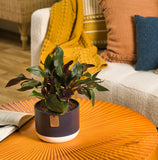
(94, 23)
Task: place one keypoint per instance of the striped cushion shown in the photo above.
(94, 23)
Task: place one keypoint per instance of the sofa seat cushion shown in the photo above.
(137, 90)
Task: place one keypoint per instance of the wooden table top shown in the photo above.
(107, 131)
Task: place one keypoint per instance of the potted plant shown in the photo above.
(56, 113)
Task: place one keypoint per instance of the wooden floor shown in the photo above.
(13, 61)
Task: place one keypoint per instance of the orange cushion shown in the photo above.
(119, 17)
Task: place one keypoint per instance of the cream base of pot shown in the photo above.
(58, 139)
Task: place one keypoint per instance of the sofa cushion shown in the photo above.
(119, 19)
(147, 42)
(94, 23)
(137, 90)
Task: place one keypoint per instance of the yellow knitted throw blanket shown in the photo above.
(66, 30)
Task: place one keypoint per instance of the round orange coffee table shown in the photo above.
(107, 131)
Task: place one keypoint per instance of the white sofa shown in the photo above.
(137, 90)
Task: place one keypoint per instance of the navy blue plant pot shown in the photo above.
(56, 128)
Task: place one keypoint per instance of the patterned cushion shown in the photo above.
(94, 23)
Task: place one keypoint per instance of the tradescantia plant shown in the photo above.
(59, 82)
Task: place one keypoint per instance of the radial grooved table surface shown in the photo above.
(107, 131)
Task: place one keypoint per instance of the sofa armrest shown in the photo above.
(39, 25)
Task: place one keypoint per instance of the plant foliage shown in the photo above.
(59, 82)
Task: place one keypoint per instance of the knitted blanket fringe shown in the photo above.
(66, 30)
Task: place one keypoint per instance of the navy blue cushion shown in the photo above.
(147, 42)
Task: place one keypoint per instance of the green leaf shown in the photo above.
(55, 105)
(85, 92)
(85, 66)
(58, 61)
(92, 96)
(22, 76)
(76, 70)
(25, 88)
(85, 81)
(49, 65)
(37, 70)
(100, 88)
(36, 94)
(33, 83)
(87, 74)
(95, 75)
(16, 80)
